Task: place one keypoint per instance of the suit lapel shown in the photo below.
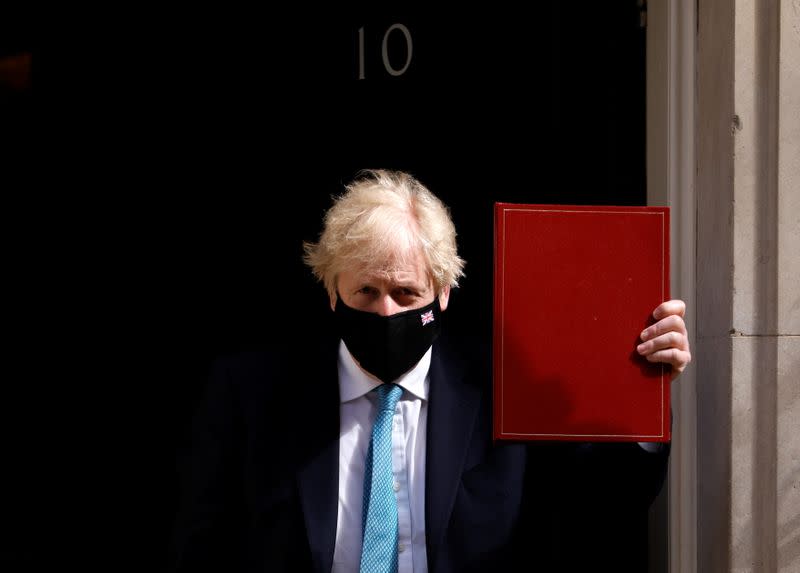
(318, 473)
(451, 415)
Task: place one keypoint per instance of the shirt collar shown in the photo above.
(354, 382)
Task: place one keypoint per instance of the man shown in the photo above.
(393, 468)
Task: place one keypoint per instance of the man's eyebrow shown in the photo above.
(410, 286)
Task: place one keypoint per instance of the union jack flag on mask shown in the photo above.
(426, 317)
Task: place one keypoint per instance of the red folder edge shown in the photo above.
(501, 433)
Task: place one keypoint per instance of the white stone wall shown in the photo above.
(748, 288)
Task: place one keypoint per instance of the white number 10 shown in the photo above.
(390, 69)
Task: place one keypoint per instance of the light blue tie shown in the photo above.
(379, 515)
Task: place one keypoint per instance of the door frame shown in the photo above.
(671, 96)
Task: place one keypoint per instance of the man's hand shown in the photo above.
(666, 340)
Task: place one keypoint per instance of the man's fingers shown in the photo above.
(670, 339)
(678, 359)
(675, 306)
(669, 324)
(667, 341)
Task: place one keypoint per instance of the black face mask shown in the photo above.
(388, 346)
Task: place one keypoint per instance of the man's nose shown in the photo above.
(387, 306)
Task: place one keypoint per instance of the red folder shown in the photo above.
(574, 286)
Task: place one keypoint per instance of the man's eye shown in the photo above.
(365, 290)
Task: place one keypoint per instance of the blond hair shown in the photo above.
(383, 220)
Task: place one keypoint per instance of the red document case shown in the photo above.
(574, 286)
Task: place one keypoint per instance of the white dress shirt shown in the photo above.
(357, 414)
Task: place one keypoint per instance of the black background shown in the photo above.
(172, 164)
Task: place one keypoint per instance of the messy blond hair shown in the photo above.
(383, 220)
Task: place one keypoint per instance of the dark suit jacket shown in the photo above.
(261, 484)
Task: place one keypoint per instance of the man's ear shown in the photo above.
(444, 297)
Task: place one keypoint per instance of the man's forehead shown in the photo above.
(398, 274)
